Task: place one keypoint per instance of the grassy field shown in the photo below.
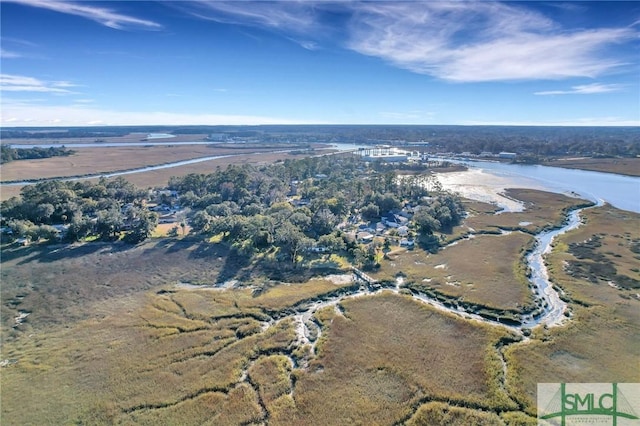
(112, 338)
(483, 270)
(542, 210)
(87, 162)
(161, 177)
(602, 343)
(376, 371)
(129, 138)
(623, 166)
(104, 160)
(153, 361)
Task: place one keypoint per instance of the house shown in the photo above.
(383, 153)
(62, 230)
(394, 220)
(390, 221)
(365, 237)
(217, 137)
(300, 202)
(508, 155)
(403, 230)
(363, 227)
(404, 242)
(23, 241)
(167, 218)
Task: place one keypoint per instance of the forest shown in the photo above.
(540, 141)
(7, 153)
(284, 210)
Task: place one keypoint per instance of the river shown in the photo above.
(341, 147)
(485, 180)
(553, 314)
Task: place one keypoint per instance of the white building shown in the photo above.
(384, 153)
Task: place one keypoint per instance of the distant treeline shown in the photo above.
(538, 141)
(7, 153)
(58, 133)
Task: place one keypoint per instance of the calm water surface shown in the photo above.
(620, 191)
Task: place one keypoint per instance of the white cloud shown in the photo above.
(585, 89)
(297, 16)
(459, 41)
(480, 41)
(20, 114)
(8, 54)
(299, 20)
(63, 84)
(20, 83)
(103, 16)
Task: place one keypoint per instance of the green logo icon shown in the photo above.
(567, 404)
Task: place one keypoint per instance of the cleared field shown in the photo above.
(7, 192)
(161, 177)
(623, 166)
(103, 160)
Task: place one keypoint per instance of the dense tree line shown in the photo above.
(62, 133)
(8, 153)
(105, 209)
(294, 206)
(284, 210)
(534, 140)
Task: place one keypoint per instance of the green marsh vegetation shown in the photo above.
(145, 334)
(600, 343)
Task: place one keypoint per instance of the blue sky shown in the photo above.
(347, 62)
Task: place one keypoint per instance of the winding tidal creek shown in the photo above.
(553, 311)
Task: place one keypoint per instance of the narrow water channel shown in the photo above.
(552, 315)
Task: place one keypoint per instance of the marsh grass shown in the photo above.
(89, 161)
(596, 347)
(439, 413)
(376, 363)
(111, 339)
(624, 166)
(600, 343)
(130, 370)
(542, 210)
(484, 270)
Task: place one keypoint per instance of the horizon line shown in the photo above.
(54, 126)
